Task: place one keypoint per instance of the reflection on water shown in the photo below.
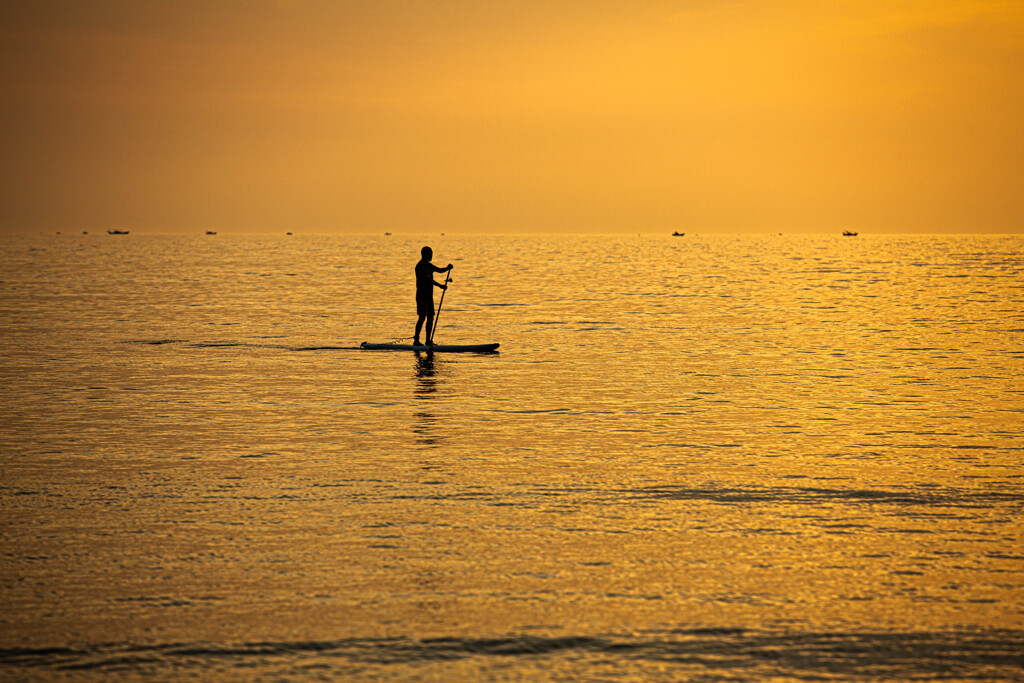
(426, 375)
(427, 382)
(741, 458)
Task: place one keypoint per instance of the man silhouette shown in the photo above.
(425, 293)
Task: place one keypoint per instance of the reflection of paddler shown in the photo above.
(425, 293)
(425, 375)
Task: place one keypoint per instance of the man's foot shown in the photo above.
(416, 341)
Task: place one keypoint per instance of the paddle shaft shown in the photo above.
(437, 316)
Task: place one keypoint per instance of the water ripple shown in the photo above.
(713, 654)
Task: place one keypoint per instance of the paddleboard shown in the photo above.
(424, 347)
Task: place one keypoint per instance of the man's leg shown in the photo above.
(419, 326)
(430, 326)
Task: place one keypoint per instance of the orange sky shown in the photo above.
(530, 115)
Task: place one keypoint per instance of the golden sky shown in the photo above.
(513, 115)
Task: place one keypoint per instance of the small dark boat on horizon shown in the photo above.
(211, 232)
(678, 234)
(117, 232)
(847, 233)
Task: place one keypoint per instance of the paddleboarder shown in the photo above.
(425, 284)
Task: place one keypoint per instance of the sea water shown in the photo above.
(699, 457)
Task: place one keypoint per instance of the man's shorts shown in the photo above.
(424, 307)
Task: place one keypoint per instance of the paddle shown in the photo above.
(437, 316)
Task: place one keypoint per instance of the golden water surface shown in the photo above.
(721, 458)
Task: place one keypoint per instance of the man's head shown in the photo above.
(427, 253)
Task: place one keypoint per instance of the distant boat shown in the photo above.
(678, 234)
(117, 232)
(847, 233)
(289, 233)
(387, 233)
(211, 232)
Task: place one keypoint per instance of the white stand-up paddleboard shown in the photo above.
(424, 347)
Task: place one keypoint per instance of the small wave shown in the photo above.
(217, 344)
(226, 344)
(724, 652)
(932, 497)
